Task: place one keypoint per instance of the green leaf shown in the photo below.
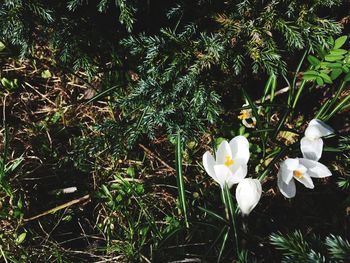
(131, 172)
(223, 245)
(319, 81)
(313, 60)
(46, 74)
(345, 69)
(324, 64)
(326, 78)
(347, 59)
(56, 117)
(330, 40)
(336, 73)
(338, 52)
(339, 42)
(11, 166)
(21, 238)
(6, 83)
(311, 72)
(334, 65)
(20, 203)
(180, 179)
(230, 208)
(309, 77)
(106, 191)
(347, 77)
(333, 58)
(2, 46)
(67, 218)
(214, 215)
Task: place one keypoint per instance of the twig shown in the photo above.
(42, 95)
(3, 254)
(126, 180)
(148, 151)
(13, 69)
(279, 92)
(60, 207)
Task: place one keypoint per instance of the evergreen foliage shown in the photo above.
(18, 22)
(82, 33)
(175, 89)
(296, 248)
(344, 163)
(180, 68)
(183, 71)
(149, 70)
(249, 32)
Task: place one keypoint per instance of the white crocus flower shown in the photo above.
(247, 117)
(248, 193)
(302, 170)
(230, 166)
(311, 144)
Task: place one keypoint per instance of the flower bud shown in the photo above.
(248, 193)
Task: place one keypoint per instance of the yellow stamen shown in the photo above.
(298, 174)
(228, 161)
(243, 115)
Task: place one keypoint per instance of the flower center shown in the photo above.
(228, 161)
(244, 114)
(298, 174)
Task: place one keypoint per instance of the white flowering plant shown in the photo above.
(278, 144)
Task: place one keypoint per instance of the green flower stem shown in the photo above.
(300, 90)
(322, 114)
(338, 108)
(231, 212)
(293, 86)
(180, 180)
(323, 109)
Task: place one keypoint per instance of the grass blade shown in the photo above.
(338, 108)
(270, 85)
(293, 87)
(180, 179)
(101, 94)
(223, 243)
(214, 215)
(281, 123)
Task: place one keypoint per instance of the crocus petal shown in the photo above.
(237, 163)
(222, 152)
(240, 148)
(254, 121)
(301, 168)
(238, 175)
(311, 148)
(291, 163)
(315, 169)
(288, 190)
(208, 163)
(248, 193)
(317, 129)
(251, 123)
(286, 169)
(221, 174)
(305, 180)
